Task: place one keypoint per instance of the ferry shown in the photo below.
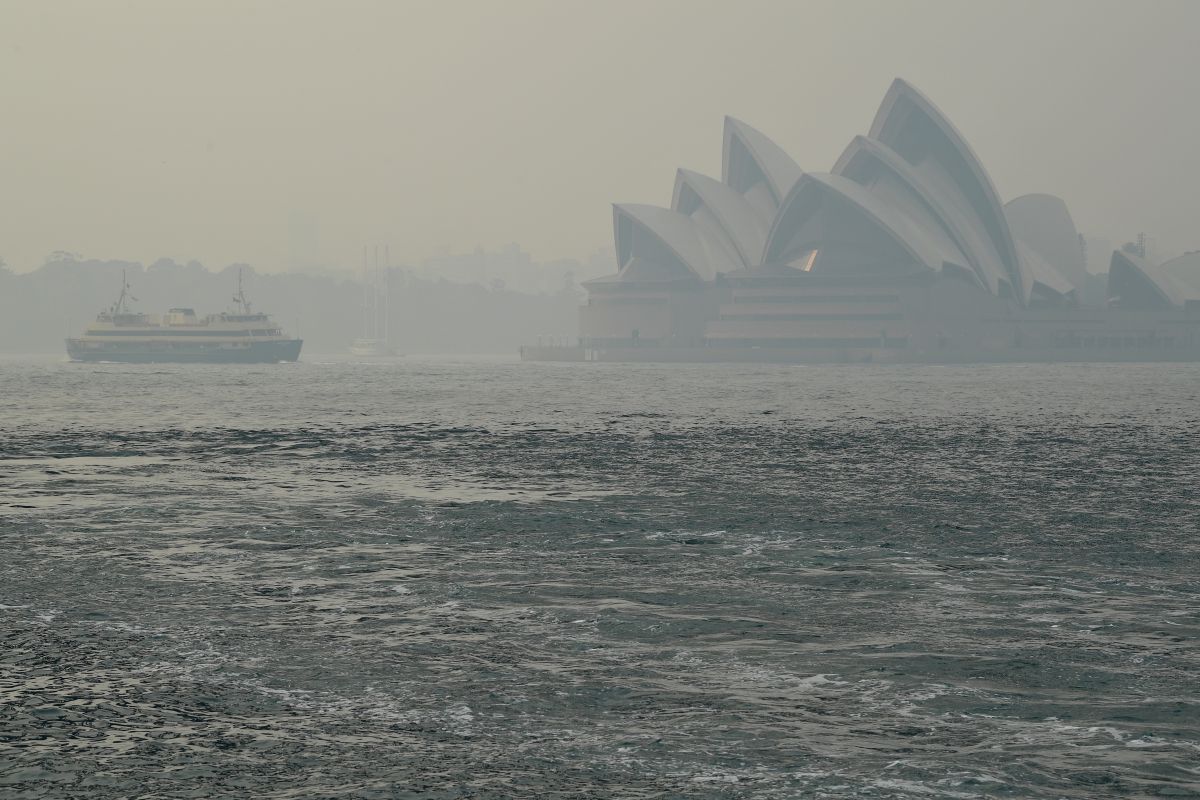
(239, 336)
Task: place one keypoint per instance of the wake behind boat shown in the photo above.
(240, 336)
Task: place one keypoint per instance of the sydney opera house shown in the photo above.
(903, 251)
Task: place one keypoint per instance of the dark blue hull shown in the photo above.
(269, 352)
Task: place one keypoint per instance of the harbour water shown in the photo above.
(483, 578)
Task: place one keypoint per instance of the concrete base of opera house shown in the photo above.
(773, 355)
(820, 320)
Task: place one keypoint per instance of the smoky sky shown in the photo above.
(278, 132)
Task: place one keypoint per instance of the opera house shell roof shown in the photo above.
(903, 250)
(910, 196)
(1134, 282)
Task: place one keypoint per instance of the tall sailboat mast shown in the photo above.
(367, 299)
(376, 307)
(375, 295)
(387, 293)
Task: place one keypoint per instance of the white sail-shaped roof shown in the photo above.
(911, 196)
(1045, 279)
(911, 125)
(1133, 282)
(852, 229)
(756, 167)
(658, 244)
(882, 171)
(1185, 270)
(722, 213)
(1043, 222)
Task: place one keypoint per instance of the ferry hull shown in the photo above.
(268, 352)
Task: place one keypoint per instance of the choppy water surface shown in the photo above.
(487, 579)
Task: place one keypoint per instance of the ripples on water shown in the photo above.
(481, 579)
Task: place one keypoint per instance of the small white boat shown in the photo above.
(371, 348)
